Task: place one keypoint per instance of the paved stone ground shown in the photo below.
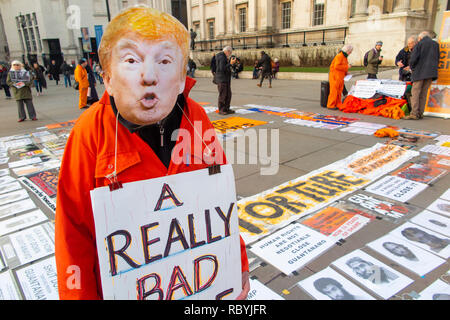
(302, 149)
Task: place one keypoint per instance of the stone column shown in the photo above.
(221, 18)
(361, 8)
(189, 14)
(402, 5)
(252, 15)
(202, 34)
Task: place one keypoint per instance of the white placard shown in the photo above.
(372, 273)
(8, 289)
(190, 228)
(13, 196)
(396, 188)
(406, 254)
(22, 221)
(24, 162)
(4, 172)
(17, 143)
(258, 291)
(37, 167)
(270, 108)
(445, 195)
(359, 130)
(292, 247)
(440, 206)
(393, 88)
(438, 290)
(424, 238)
(365, 89)
(330, 285)
(6, 180)
(39, 280)
(26, 246)
(367, 125)
(431, 148)
(434, 222)
(10, 187)
(348, 77)
(16, 207)
(443, 138)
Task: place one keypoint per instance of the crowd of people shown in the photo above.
(417, 63)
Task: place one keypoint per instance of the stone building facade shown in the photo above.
(359, 22)
(43, 30)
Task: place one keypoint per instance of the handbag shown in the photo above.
(76, 85)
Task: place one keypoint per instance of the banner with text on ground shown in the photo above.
(174, 237)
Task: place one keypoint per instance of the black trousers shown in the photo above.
(30, 108)
(224, 96)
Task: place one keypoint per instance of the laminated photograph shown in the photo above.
(426, 239)
(21, 222)
(13, 196)
(16, 207)
(438, 290)
(330, 285)
(440, 206)
(406, 254)
(372, 273)
(259, 291)
(434, 222)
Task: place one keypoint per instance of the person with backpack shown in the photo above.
(338, 70)
(372, 59)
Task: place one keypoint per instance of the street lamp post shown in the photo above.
(107, 10)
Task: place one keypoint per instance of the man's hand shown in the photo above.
(400, 64)
(245, 286)
(233, 60)
(380, 58)
(349, 65)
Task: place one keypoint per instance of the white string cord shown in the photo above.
(112, 177)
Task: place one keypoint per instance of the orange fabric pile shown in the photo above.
(386, 132)
(391, 109)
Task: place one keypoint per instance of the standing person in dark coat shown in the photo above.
(402, 60)
(3, 76)
(193, 36)
(265, 64)
(39, 78)
(424, 64)
(66, 71)
(92, 92)
(54, 71)
(223, 79)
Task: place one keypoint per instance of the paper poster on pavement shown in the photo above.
(440, 206)
(431, 148)
(26, 246)
(445, 195)
(382, 207)
(438, 290)
(372, 273)
(424, 238)
(433, 221)
(396, 188)
(10, 187)
(420, 173)
(258, 291)
(22, 221)
(330, 285)
(8, 287)
(13, 196)
(16, 207)
(406, 254)
(38, 281)
(292, 247)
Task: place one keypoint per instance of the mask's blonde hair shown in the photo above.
(148, 24)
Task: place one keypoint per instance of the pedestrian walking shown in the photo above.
(3, 84)
(81, 77)
(54, 70)
(20, 82)
(265, 65)
(223, 79)
(39, 78)
(92, 95)
(424, 64)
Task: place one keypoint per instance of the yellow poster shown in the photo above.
(438, 100)
(235, 123)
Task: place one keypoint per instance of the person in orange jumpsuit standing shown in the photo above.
(127, 137)
(338, 70)
(81, 77)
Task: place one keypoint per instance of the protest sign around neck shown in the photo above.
(173, 237)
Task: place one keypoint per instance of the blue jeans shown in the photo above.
(38, 86)
(67, 80)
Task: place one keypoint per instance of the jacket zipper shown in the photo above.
(161, 132)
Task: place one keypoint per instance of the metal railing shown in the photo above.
(277, 40)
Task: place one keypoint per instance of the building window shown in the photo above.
(242, 19)
(211, 31)
(286, 15)
(27, 25)
(318, 12)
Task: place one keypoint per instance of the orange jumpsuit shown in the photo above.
(338, 70)
(82, 77)
(88, 158)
